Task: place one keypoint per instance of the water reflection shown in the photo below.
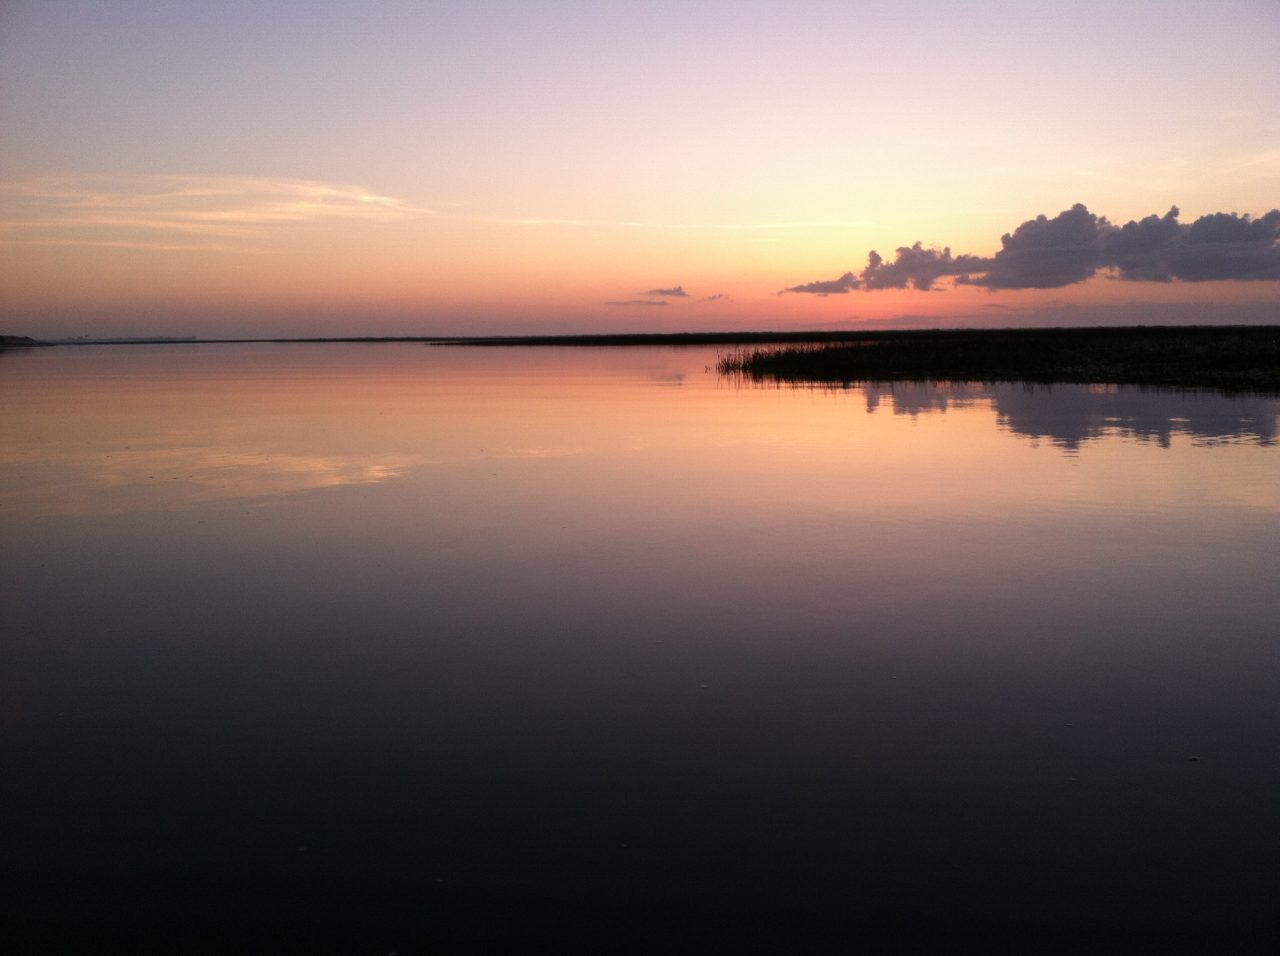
(1072, 415)
(63, 481)
(507, 637)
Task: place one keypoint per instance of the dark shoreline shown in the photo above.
(1229, 358)
(603, 340)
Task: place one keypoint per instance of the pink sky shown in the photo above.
(405, 168)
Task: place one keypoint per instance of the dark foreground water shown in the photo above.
(372, 649)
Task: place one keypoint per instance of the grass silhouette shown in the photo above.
(1233, 358)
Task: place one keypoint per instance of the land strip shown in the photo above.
(1232, 358)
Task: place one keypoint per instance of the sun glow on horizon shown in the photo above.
(448, 169)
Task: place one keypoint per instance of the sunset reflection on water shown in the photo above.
(523, 631)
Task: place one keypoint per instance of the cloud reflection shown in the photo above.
(1079, 414)
(162, 479)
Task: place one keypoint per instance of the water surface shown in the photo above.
(380, 647)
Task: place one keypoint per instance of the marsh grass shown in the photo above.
(1233, 358)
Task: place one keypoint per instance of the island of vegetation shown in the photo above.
(1231, 358)
(18, 342)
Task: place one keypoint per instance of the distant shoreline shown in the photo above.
(1233, 358)
(610, 339)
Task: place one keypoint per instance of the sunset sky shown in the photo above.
(400, 168)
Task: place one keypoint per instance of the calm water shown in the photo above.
(397, 648)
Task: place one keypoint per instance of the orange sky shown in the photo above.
(314, 169)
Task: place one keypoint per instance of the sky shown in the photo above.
(440, 168)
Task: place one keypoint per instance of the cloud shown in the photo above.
(636, 302)
(719, 296)
(1134, 248)
(509, 221)
(846, 283)
(148, 211)
(751, 226)
(1214, 247)
(1045, 253)
(1075, 245)
(918, 266)
(677, 292)
(151, 245)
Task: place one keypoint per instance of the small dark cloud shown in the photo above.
(846, 283)
(675, 293)
(718, 297)
(635, 302)
(1076, 244)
